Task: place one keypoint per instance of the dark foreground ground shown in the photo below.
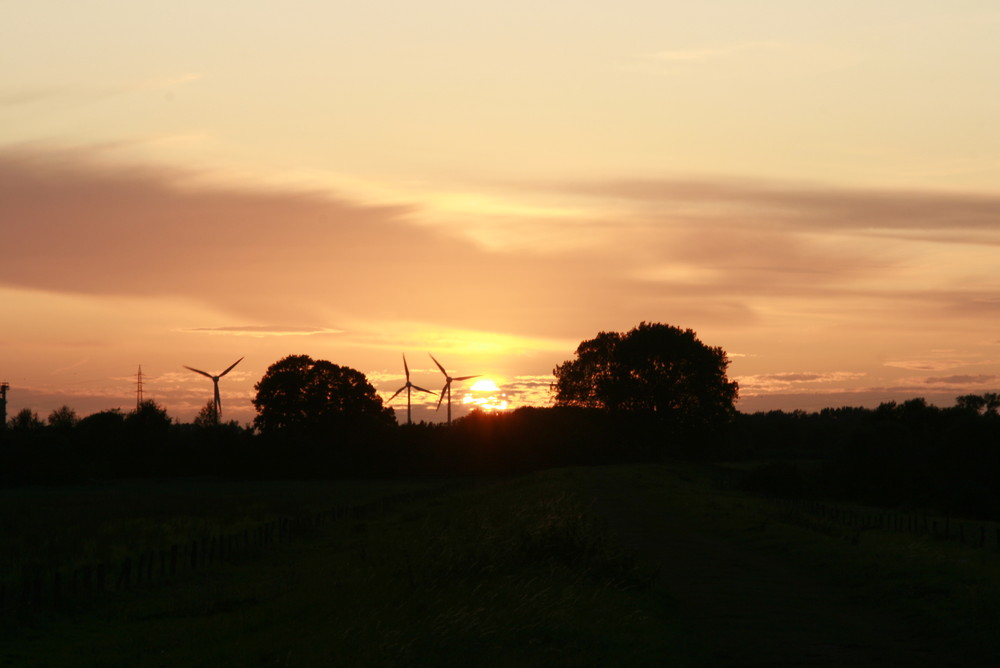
(745, 596)
(633, 566)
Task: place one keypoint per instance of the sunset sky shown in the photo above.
(812, 186)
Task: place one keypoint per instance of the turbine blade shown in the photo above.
(218, 400)
(439, 365)
(204, 373)
(395, 394)
(230, 367)
(423, 390)
(440, 399)
(467, 377)
(407, 368)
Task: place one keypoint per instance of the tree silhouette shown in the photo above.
(26, 420)
(972, 403)
(987, 403)
(207, 416)
(148, 419)
(102, 427)
(300, 395)
(654, 369)
(63, 418)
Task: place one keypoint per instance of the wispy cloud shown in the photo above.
(935, 216)
(70, 367)
(166, 82)
(754, 385)
(711, 53)
(964, 380)
(533, 390)
(936, 364)
(24, 95)
(266, 330)
(721, 252)
(85, 226)
(14, 96)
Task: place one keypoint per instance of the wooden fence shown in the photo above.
(61, 588)
(980, 534)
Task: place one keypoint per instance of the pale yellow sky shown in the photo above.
(811, 186)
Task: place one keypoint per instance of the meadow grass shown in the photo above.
(943, 589)
(518, 572)
(43, 529)
(946, 588)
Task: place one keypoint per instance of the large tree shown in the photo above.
(654, 369)
(300, 395)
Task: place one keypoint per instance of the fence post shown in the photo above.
(125, 575)
(56, 589)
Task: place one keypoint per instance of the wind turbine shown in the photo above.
(407, 387)
(215, 381)
(447, 386)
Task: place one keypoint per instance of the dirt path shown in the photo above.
(746, 604)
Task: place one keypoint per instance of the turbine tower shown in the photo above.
(408, 387)
(215, 381)
(447, 386)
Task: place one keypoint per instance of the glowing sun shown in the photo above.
(484, 385)
(486, 395)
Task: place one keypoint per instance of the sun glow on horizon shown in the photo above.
(486, 395)
(484, 385)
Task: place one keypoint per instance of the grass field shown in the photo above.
(47, 528)
(759, 582)
(509, 573)
(533, 571)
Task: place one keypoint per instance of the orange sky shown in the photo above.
(812, 188)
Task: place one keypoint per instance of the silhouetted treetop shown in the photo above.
(26, 420)
(208, 416)
(63, 417)
(301, 395)
(652, 369)
(987, 403)
(148, 418)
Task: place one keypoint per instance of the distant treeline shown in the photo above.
(908, 455)
(111, 445)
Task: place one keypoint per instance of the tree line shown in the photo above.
(620, 394)
(909, 455)
(651, 393)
